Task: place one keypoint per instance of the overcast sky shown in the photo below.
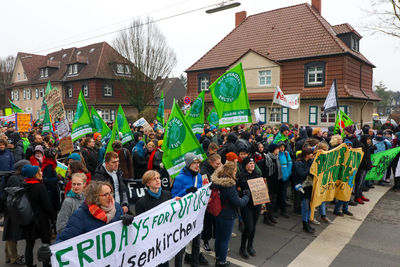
(43, 26)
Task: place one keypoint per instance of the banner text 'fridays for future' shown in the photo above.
(154, 237)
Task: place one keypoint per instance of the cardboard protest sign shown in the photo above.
(259, 191)
(64, 133)
(61, 169)
(154, 237)
(66, 145)
(53, 98)
(23, 122)
(381, 162)
(334, 174)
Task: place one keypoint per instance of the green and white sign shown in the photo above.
(82, 124)
(100, 126)
(47, 127)
(154, 237)
(123, 126)
(178, 140)
(213, 118)
(195, 116)
(230, 98)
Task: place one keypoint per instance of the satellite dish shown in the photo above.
(223, 6)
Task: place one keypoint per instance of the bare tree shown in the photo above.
(386, 14)
(146, 47)
(6, 70)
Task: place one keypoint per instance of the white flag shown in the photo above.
(331, 104)
(290, 101)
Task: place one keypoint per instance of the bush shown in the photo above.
(149, 113)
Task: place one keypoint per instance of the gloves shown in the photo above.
(246, 192)
(127, 219)
(44, 253)
(191, 190)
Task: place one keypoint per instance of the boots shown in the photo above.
(307, 228)
(243, 253)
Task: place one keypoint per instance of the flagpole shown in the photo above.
(298, 113)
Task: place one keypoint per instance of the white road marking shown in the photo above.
(325, 248)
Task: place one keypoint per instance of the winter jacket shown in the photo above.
(139, 165)
(30, 151)
(229, 146)
(6, 160)
(82, 221)
(18, 150)
(91, 158)
(243, 177)
(206, 168)
(102, 175)
(51, 181)
(69, 206)
(230, 200)
(354, 141)
(301, 140)
(366, 163)
(184, 180)
(381, 144)
(286, 165)
(148, 202)
(301, 171)
(125, 163)
(272, 180)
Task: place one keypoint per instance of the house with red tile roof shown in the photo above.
(97, 69)
(296, 49)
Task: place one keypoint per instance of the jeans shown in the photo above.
(360, 177)
(224, 232)
(339, 204)
(305, 209)
(322, 209)
(250, 216)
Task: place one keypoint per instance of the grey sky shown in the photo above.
(33, 26)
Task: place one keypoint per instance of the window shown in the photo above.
(12, 95)
(314, 74)
(326, 118)
(105, 114)
(69, 91)
(38, 114)
(275, 115)
(85, 89)
(355, 44)
(128, 70)
(24, 75)
(264, 78)
(263, 113)
(19, 76)
(41, 92)
(73, 69)
(16, 95)
(107, 90)
(37, 93)
(313, 115)
(27, 94)
(285, 115)
(123, 69)
(120, 69)
(112, 115)
(44, 72)
(347, 109)
(70, 115)
(203, 82)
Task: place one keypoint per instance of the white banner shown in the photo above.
(290, 101)
(330, 104)
(154, 237)
(257, 115)
(8, 118)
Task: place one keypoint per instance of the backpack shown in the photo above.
(381, 146)
(18, 206)
(214, 203)
(4, 176)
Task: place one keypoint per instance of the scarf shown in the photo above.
(102, 213)
(151, 159)
(152, 194)
(32, 181)
(139, 148)
(40, 159)
(271, 165)
(75, 195)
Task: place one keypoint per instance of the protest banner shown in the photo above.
(64, 133)
(142, 122)
(23, 122)
(195, 116)
(123, 126)
(61, 169)
(100, 126)
(334, 174)
(381, 162)
(259, 191)
(9, 118)
(53, 98)
(179, 140)
(230, 98)
(154, 237)
(82, 123)
(290, 101)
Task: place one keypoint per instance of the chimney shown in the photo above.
(316, 4)
(239, 17)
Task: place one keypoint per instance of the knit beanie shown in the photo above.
(231, 156)
(247, 160)
(284, 128)
(75, 156)
(29, 171)
(272, 147)
(349, 129)
(190, 158)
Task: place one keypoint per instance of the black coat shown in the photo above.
(272, 181)
(148, 202)
(18, 151)
(91, 158)
(243, 177)
(206, 168)
(301, 140)
(139, 165)
(301, 171)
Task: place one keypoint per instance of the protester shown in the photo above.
(125, 159)
(76, 166)
(363, 169)
(38, 157)
(6, 157)
(139, 160)
(37, 141)
(286, 168)
(50, 178)
(89, 154)
(18, 143)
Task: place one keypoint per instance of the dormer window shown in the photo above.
(44, 72)
(73, 69)
(123, 69)
(355, 44)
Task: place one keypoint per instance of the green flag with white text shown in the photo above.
(342, 121)
(195, 116)
(100, 126)
(213, 118)
(178, 140)
(47, 126)
(230, 98)
(381, 162)
(160, 111)
(123, 126)
(15, 108)
(114, 136)
(48, 88)
(82, 124)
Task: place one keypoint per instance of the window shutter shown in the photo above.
(313, 115)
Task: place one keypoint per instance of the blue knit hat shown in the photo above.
(29, 171)
(75, 156)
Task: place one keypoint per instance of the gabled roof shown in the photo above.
(96, 60)
(345, 28)
(288, 33)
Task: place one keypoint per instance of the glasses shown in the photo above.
(107, 194)
(77, 184)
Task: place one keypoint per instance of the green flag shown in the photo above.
(100, 126)
(47, 126)
(82, 123)
(342, 121)
(178, 140)
(160, 111)
(230, 98)
(123, 126)
(114, 136)
(195, 116)
(213, 118)
(42, 110)
(48, 88)
(381, 162)
(15, 108)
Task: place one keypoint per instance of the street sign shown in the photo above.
(187, 100)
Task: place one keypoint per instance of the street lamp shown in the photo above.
(223, 6)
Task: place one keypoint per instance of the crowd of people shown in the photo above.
(93, 192)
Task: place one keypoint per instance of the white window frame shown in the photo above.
(314, 71)
(38, 114)
(70, 91)
(265, 78)
(120, 69)
(284, 114)
(274, 115)
(328, 118)
(313, 115)
(112, 114)
(28, 94)
(128, 70)
(24, 94)
(105, 114)
(107, 90)
(46, 72)
(85, 89)
(41, 92)
(37, 93)
(70, 115)
(204, 83)
(72, 69)
(16, 96)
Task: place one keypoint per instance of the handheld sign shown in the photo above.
(259, 191)
(23, 122)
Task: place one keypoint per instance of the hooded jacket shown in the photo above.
(229, 146)
(183, 181)
(69, 206)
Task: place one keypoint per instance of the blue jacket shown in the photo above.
(286, 165)
(6, 160)
(82, 221)
(183, 181)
